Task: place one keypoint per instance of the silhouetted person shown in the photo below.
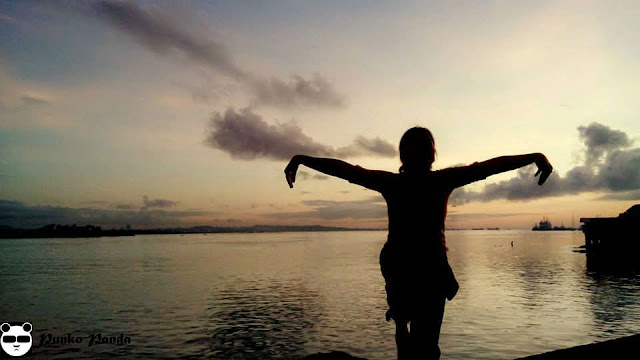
(413, 261)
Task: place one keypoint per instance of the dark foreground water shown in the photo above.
(286, 295)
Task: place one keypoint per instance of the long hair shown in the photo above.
(417, 150)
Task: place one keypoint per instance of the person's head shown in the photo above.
(417, 150)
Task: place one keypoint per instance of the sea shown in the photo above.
(291, 294)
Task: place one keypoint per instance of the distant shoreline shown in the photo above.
(74, 231)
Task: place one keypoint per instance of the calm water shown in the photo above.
(262, 296)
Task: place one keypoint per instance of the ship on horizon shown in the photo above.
(545, 225)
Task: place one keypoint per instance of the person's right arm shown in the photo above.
(371, 179)
(333, 167)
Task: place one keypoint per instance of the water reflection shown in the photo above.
(281, 296)
(615, 264)
(259, 320)
(615, 302)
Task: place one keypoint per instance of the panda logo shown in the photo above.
(16, 339)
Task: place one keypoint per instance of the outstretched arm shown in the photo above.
(463, 175)
(333, 167)
(377, 180)
(506, 163)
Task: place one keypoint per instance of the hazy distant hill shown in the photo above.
(245, 229)
(69, 231)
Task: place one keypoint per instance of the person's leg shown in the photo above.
(425, 331)
(402, 340)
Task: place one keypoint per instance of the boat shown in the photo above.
(613, 238)
(545, 225)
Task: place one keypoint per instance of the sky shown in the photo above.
(162, 114)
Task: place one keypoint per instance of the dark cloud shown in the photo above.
(364, 146)
(163, 35)
(124, 206)
(245, 135)
(452, 216)
(375, 146)
(157, 203)
(95, 202)
(8, 18)
(34, 100)
(17, 214)
(600, 139)
(521, 187)
(203, 94)
(303, 175)
(627, 195)
(372, 208)
(297, 91)
(608, 167)
(620, 170)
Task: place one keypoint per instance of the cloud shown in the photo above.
(453, 217)
(297, 91)
(628, 195)
(371, 208)
(162, 36)
(600, 139)
(364, 146)
(94, 202)
(34, 100)
(245, 135)
(620, 171)
(17, 214)
(608, 166)
(124, 206)
(165, 36)
(303, 175)
(157, 203)
(17, 95)
(200, 93)
(7, 18)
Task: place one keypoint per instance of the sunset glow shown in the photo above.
(162, 114)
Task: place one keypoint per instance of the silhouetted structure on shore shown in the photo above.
(61, 231)
(612, 240)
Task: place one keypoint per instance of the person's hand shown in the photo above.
(290, 170)
(544, 169)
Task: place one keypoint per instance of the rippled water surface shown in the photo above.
(286, 295)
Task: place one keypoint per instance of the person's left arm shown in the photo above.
(460, 176)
